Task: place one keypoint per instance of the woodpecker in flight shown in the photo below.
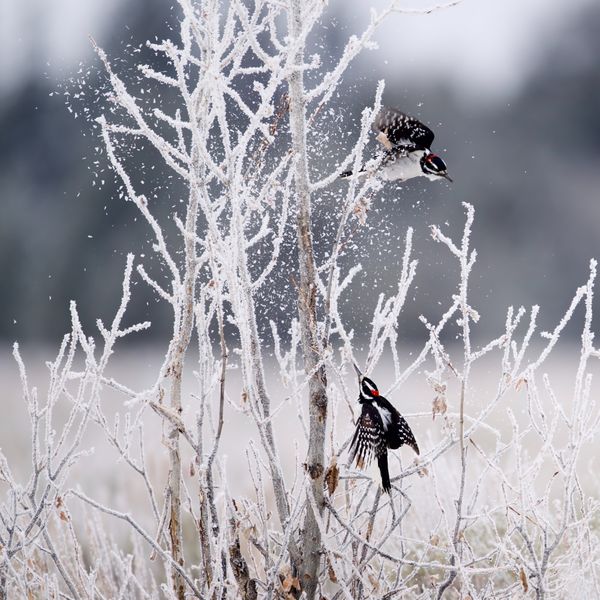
(407, 149)
(379, 427)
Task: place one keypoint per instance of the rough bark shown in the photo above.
(184, 323)
(307, 311)
(239, 566)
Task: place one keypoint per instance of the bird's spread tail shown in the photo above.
(382, 462)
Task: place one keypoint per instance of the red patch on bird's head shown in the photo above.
(431, 156)
(375, 392)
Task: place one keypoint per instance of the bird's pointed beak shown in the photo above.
(358, 372)
(446, 176)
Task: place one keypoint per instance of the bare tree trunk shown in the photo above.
(3, 582)
(307, 310)
(183, 332)
(239, 566)
(174, 483)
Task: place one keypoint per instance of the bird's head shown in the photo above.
(367, 389)
(432, 164)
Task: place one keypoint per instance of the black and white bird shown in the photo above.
(379, 427)
(406, 149)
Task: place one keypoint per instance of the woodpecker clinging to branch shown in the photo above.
(407, 149)
(379, 427)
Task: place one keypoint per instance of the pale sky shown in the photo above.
(477, 47)
(482, 46)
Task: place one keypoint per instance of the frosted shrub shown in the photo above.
(493, 508)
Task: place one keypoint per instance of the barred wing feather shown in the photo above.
(401, 434)
(369, 438)
(396, 129)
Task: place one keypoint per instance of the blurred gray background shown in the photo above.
(511, 88)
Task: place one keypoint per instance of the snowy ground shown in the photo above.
(102, 477)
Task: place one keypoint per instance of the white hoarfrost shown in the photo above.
(503, 501)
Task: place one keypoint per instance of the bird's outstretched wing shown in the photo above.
(400, 433)
(369, 438)
(396, 130)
